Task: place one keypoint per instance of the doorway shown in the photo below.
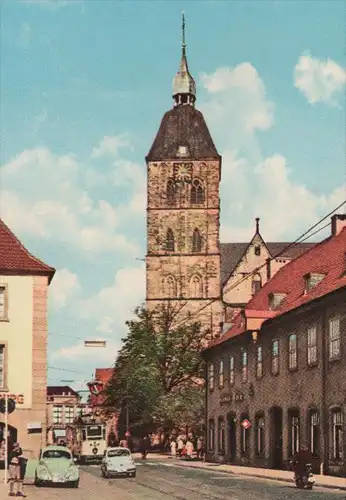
(276, 439)
(232, 437)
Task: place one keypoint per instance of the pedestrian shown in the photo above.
(124, 443)
(180, 446)
(199, 448)
(189, 449)
(173, 448)
(16, 475)
(300, 460)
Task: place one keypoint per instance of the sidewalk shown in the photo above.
(277, 475)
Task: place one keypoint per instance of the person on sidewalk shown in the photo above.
(180, 446)
(173, 448)
(189, 449)
(15, 473)
(300, 460)
(200, 448)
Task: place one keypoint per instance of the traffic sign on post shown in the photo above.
(11, 406)
(246, 424)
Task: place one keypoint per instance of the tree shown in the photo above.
(158, 371)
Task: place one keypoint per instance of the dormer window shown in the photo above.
(312, 280)
(275, 300)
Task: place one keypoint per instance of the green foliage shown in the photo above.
(156, 371)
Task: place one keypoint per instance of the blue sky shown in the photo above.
(84, 86)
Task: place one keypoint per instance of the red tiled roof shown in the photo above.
(327, 258)
(103, 375)
(14, 257)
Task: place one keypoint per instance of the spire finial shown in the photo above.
(183, 29)
(257, 225)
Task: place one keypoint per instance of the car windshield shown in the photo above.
(56, 454)
(118, 453)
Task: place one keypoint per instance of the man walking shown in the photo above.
(14, 461)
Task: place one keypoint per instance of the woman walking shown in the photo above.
(16, 477)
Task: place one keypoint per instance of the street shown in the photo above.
(167, 480)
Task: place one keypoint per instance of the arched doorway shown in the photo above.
(276, 437)
(232, 437)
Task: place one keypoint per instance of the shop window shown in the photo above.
(244, 366)
(337, 434)
(244, 437)
(170, 245)
(275, 357)
(211, 376)
(292, 352)
(231, 370)
(170, 192)
(259, 362)
(294, 432)
(221, 375)
(197, 192)
(221, 435)
(196, 241)
(211, 435)
(312, 345)
(314, 434)
(260, 437)
(334, 338)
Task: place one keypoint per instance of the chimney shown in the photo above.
(338, 223)
(268, 261)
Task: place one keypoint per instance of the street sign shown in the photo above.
(11, 406)
(246, 424)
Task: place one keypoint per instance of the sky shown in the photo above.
(84, 86)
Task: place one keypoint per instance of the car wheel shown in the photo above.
(75, 484)
(132, 474)
(38, 483)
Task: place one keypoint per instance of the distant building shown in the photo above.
(24, 282)
(277, 378)
(63, 407)
(97, 400)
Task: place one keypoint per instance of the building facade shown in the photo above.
(63, 407)
(186, 265)
(24, 282)
(277, 378)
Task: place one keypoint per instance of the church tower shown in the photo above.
(183, 209)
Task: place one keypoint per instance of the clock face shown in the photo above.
(182, 171)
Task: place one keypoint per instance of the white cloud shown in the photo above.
(117, 301)
(318, 80)
(43, 195)
(111, 146)
(88, 355)
(64, 287)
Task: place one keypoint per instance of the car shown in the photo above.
(57, 466)
(118, 461)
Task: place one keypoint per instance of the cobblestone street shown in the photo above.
(160, 481)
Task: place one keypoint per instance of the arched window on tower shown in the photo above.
(170, 287)
(197, 192)
(170, 192)
(196, 287)
(196, 241)
(256, 284)
(169, 244)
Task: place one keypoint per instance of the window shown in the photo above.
(312, 280)
(2, 366)
(196, 241)
(292, 352)
(259, 362)
(244, 372)
(314, 437)
(170, 192)
(221, 435)
(57, 414)
(231, 370)
(197, 192)
(293, 433)
(256, 284)
(211, 376)
(170, 240)
(211, 435)
(275, 357)
(260, 442)
(334, 338)
(337, 435)
(257, 250)
(196, 287)
(275, 300)
(170, 287)
(312, 345)
(69, 414)
(3, 302)
(244, 437)
(221, 377)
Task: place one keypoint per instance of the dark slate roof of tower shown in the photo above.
(183, 126)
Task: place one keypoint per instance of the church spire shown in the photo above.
(184, 87)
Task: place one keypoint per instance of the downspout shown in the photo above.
(324, 412)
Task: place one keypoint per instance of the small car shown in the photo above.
(57, 466)
(118, 462)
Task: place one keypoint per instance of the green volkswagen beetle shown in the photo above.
(57, 466)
